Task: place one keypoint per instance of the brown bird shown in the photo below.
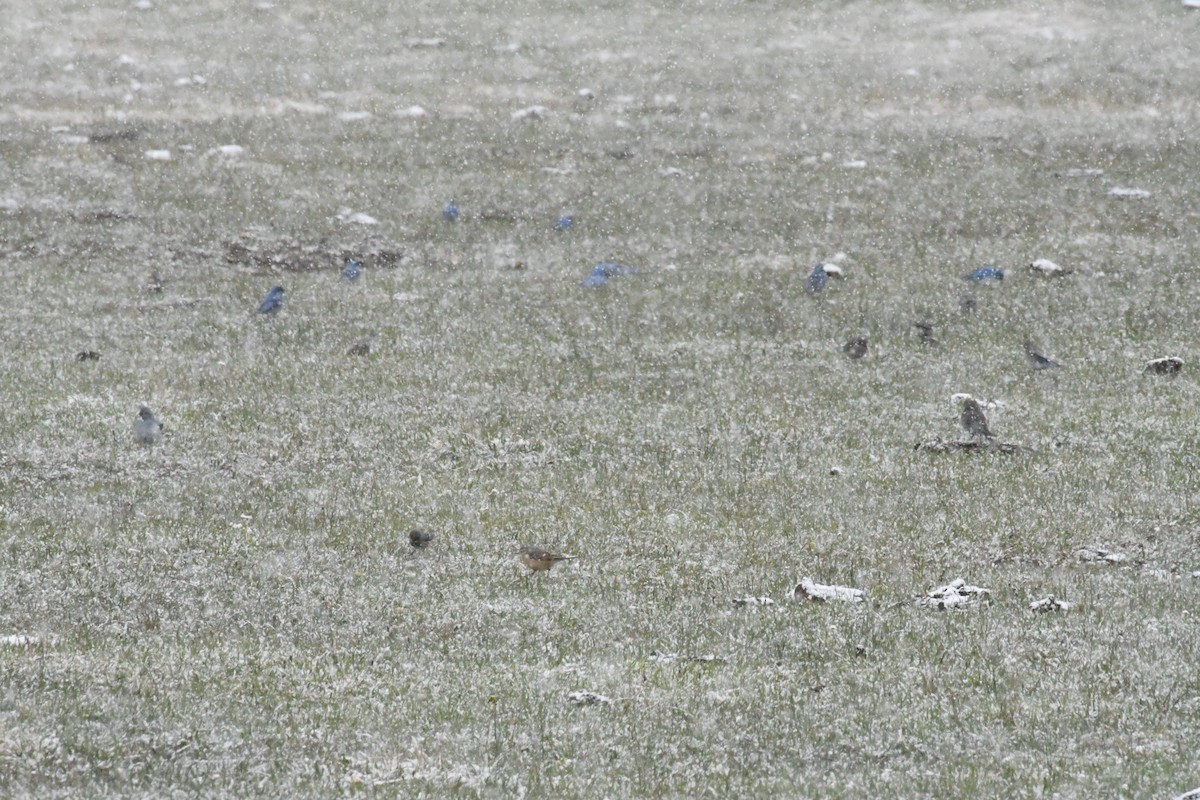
(973, 418)
(419, 538)
(856, 348)
(539, 559)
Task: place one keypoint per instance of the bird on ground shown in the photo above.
(1035, 359)
(967, 303)
(602, 272)
(450, 212)
(272, 302)
(146, 428)
(564, 223)
(973, 419)
(925, 332)
(539, 559)
(985, 274)
(419, 538)
(87, 355)
(1169, 366)
(362, 347)
(352, 271)
(856, 348)
(816, 280)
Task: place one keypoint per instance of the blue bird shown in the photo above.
(352, 270)
(985, 274)
(1036, 359)
(272, 302)
(450, 212)
(564, 223)
(602, 272)
(816, 280)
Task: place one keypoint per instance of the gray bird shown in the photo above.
(419, 538)
(973, 419)
(856, 348)
(146, 428)
(925, 333)
(1035, 359)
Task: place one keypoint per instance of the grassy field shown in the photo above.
(235, 610)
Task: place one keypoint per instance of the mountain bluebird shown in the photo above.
(146, 428)
(352, 271)
(816, 280)
(856, 348)
(450, 212)
(539, 560)
(602, 272)
(984, 274)
(564, 223)
(973, 419)
(1036, 359)
(272, 302)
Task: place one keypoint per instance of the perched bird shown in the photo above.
(450, 212)
(967, 303)
(419, 538)
(925, 332)
(272, 302)
(540, 560)
(973, 419)
(1169, 366)
(564, 223)
(146, 428)
(984, 274)
(1036, 359)
(856, 348)
(352, 271)
(816, 280)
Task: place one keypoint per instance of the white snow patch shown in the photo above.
(352, 217)
(1082, 172)
(585, 94)
(751, 600)
(1128, 194)
(1048, 267)
(1049, 604)
(1099, 555)
(158, 155)
(671, 172)
(954, 594)
(354, 116)
(411, 111)
(585, 697)
(22, 640)
(807, 589)
(74, 139)
(990, 405)
(854, 164)
(531, 112)
(227, 150)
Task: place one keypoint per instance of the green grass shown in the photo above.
(236, 611)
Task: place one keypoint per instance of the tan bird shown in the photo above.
(539, 559)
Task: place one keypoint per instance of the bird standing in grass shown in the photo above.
(1035, 359)
(146, 428)
(973, 419)
(450, 212)
(816, 280)
(352, 271)
(539, 559)
(925, 333)
(419, 538)
(856, 348)
(272, 302)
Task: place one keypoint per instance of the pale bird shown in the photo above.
(539, 559)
